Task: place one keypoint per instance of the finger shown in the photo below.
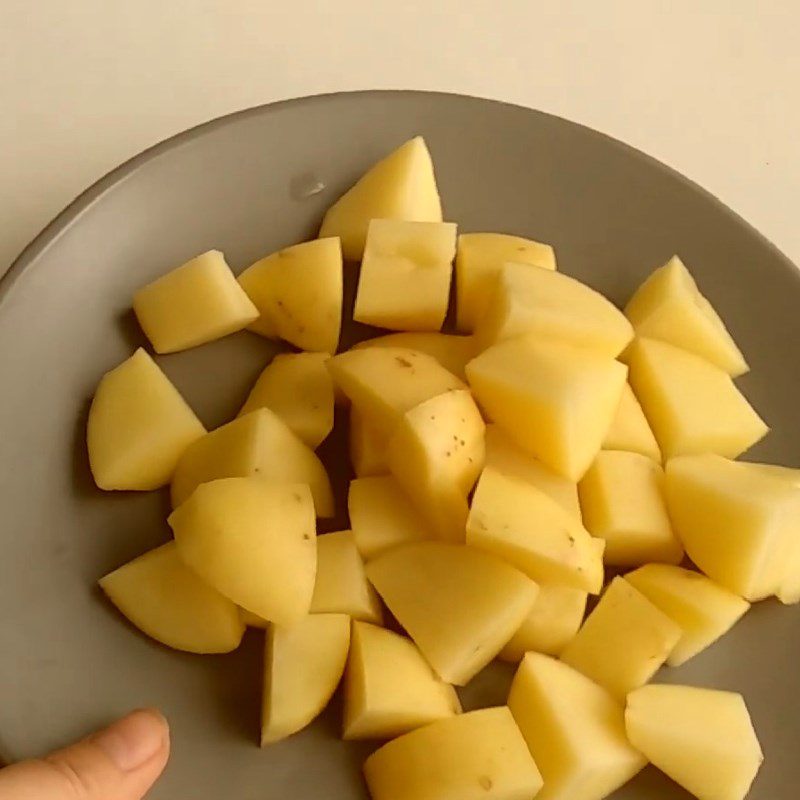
(119, 763)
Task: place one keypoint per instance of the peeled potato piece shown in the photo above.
(630, 430)
(166, 600)
(368, 444)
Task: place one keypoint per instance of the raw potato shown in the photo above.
(196, 303)
(622, 499)
(630, 430)
(703, 739)
(139, 426)
(254, 541)
(382, 516)
(458, 604)
(299, 389)
(163, 598)
(400, 186)
(298, 293)
(341, 586)
(451, 351)
(553, 621)
(389, 688)
(258, 444)
(703, 609)
(368, 446)
(739, 525)
(504, 456)
(475, 756)
(552, 307)
(555, 400)
(404, 284)
(575, 731)
(623, 641)
(385, 382)
(478, 261)
(304, 664)
(436, 454)
(669, 306)
(692, 406)
(521, 524)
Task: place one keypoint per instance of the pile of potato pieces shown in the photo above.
(499, 471)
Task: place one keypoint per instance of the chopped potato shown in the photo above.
(623, 641)
(704, 610)
(257, 444)
(552, 307)
(304, 663)
(555, 400)
(254, 541)
(368, 445)
(703, 739)
(400, 186)
(477, 756)
(139, 426)
(692, 406)
(521, 524)
(341, 585)
(299, 389)
(574, 728)
(478, 261)
(196, 303)
(404, 284)
(630, 430)
(669, 306)
(459, 605)
(298, 293)
(390, 688)
(166, 600)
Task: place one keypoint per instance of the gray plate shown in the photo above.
(69, 662)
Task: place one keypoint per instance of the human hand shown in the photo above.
(120, 762)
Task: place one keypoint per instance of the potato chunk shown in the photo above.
(630, 430)
(367, 443)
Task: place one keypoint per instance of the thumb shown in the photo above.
(119, 763)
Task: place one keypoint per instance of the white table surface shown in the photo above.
(714, 92)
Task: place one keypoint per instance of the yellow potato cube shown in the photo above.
(622, 499)
(451, 351)
(304, 663)
(692, 406)
(478, 262)
(400, 186)
(436, 454)
(623, 641)
(702, 738)
(254, 541)
(138, 427)
(475, 756)
(258, 444)
(459, 605)
(703, 609)
(196, 303)
(382, 516)
(630, 429)
(669, 306)
(390, 688)
(341, 585)
(521, 524)
(555, 400)
(739, 525)
(575, 731)
(368, 445)
(553, 621)
(404, 283)
(298, 294)
(385, 382)
(551, 306)
(299, 389)
(166, 600)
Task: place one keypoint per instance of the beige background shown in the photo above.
(714, 92)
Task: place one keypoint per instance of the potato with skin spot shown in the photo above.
(630, 430)
(475, 756)
(368, 446)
